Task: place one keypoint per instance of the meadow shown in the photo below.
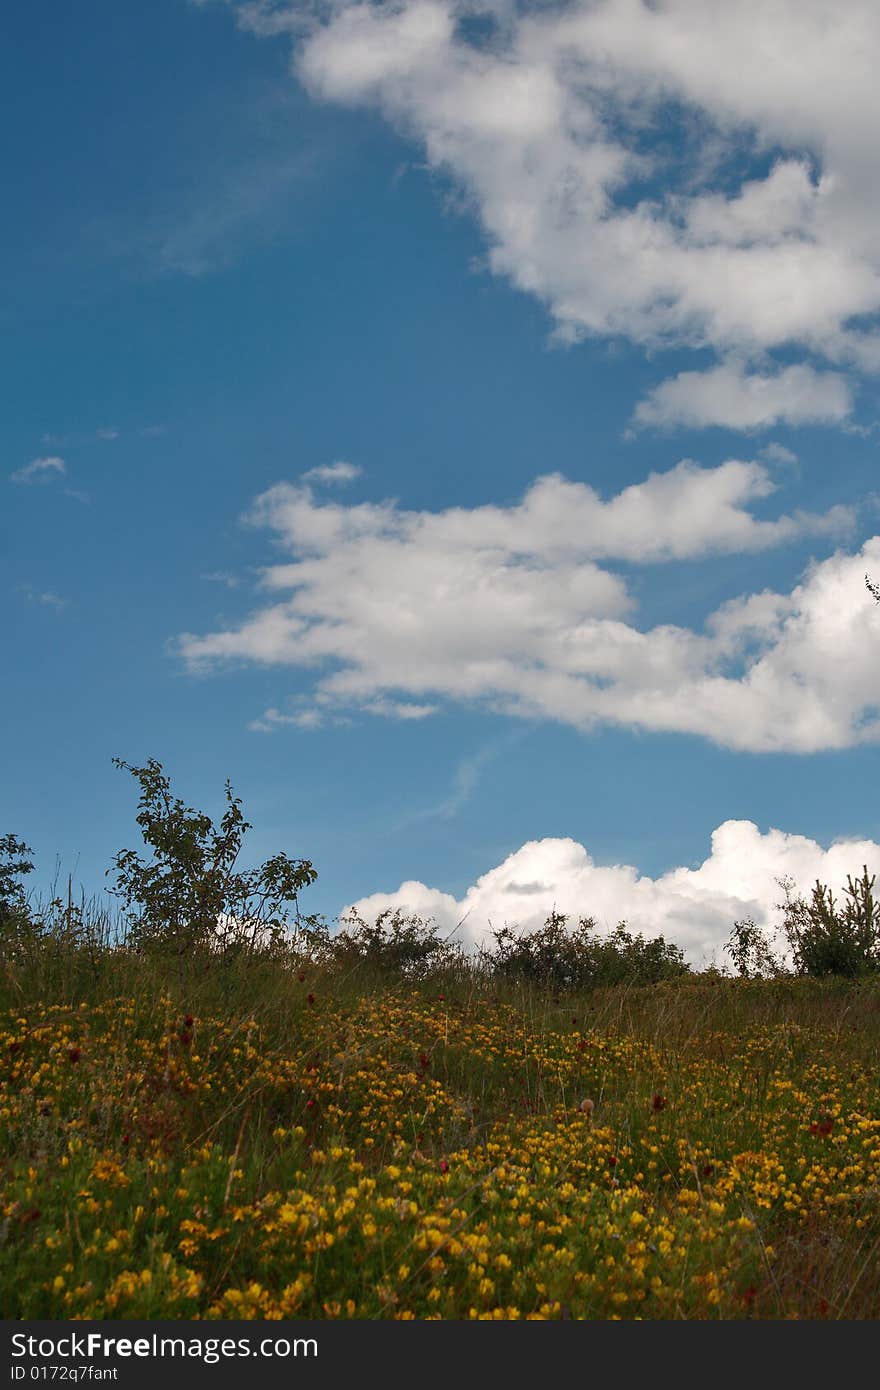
(266, 1138)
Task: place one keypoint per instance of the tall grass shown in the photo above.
(306, 1133)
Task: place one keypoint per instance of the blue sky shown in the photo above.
(455, 424)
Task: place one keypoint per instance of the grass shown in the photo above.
(259, 1140)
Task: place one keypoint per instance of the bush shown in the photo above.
(558, 957)
(395, 945)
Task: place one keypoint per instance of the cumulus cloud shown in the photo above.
(39, 470)
(688, 172)
(694, 908)
(735, 398)
(511, 607)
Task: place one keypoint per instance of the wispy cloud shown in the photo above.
(465, 780)
(341, 472)
(232, 187)
(105, 434)
(231, 581)
(398, 709)
(778, 453)
(46, 598)
(319, 712)
(210, 228)
(44, 470)
(39, 470)
(272, 719)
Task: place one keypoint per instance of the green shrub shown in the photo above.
(395, 945)
(557, 956)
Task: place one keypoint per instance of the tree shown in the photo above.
(189, 894)
(13, 865)
(751, 951)
(829, 940)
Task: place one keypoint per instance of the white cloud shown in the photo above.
(39, 470)
(694, 908)
(340, 472)
(510, 607)
(690, 172)
(735, 398)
